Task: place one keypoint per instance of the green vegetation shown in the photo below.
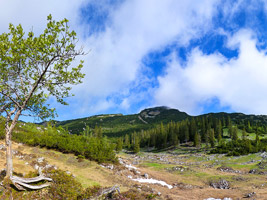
(116, 125)
(222, 135)
(92, 147)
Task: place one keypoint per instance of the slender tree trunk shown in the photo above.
(9, 130)
(9, 162)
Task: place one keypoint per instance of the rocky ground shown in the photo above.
(167, 175)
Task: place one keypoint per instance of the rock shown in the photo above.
(221, 184)
(68, 172)
(146, 175)
(226, 198)
(40, 160)
(264, 155)
(257, 171)
(2, 174)
(249, 195)
(135, 163)
(159, 193)
(228, 169)
(2, 147)
(36, 167)
(178, 168)
(262, 165)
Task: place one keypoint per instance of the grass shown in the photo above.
(156, 166)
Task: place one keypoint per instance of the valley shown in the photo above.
(190, 174)
(150, 155)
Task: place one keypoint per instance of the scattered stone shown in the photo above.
(183, 186)
(178, 168)
(264, 155)
(228, 169)
(2, 147)
(36, 167)
(2, 174)
(146, 175)
(68, 172)
(239, 178)
(257, 171)
(221, 184)
(249, 195)
(135, 162)
(262, 165)
(226, 198)
(40, 160)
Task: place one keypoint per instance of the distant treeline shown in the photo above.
(224, 134)
(91, 146)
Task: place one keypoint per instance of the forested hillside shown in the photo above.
(115, 125)
(233, 134)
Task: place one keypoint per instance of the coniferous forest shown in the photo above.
(221, 135)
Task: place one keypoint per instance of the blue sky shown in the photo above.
(195, 56)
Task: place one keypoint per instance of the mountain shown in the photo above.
(114, 125)
(118, 124)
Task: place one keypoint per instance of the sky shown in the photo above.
(195, 56)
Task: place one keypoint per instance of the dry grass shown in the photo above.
(90, 173)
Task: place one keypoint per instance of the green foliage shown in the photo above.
(64, 186)
(93, 148)
(211, 137)
(197, 140)
(119, 144)
(241, 147)
(33, 68)
(90, 192)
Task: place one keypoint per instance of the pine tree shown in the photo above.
(219, 139)
(119, 145)
(203, 130)
(257, 140)
(211, 137)
(234, 134)
(186, 132)
(197, 140)
(244, 135)
(127, 141)
(136, 146)
(193, 129)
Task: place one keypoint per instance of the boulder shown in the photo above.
(221, 184)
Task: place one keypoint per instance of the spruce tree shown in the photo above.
(211, 137)
(234, 134)
(127, 141)
(244, 135)
(119, 145)
(197, 140)
(136, 146)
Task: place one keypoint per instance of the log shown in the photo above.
(30, 180)
(111, 190)
(22, 183)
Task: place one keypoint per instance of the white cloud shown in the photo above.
(32, 13)
(134, 29)
(239, 82)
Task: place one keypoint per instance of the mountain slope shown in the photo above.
(114, 125)
(118, 124)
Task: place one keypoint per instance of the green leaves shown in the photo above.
(33, 68)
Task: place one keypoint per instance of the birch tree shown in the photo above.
(32, 69)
